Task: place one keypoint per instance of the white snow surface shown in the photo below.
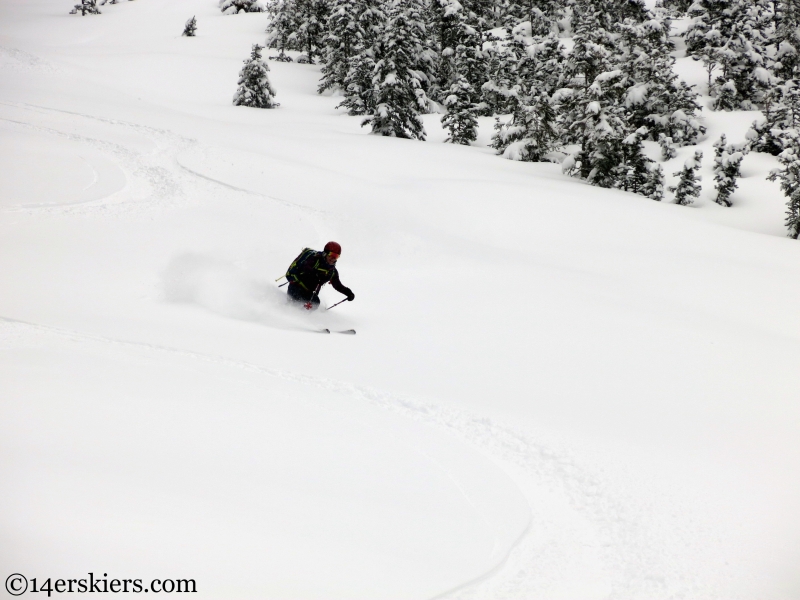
(555, 392)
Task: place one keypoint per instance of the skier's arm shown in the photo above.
(337, 285)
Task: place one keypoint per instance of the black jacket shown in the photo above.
(313, 271)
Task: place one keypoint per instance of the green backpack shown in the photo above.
(292, 274)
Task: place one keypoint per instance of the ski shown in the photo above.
(347, 331)
(323, 330)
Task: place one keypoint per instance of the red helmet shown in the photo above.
(333, 247)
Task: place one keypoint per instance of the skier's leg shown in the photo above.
(296, 294)
(301, 297)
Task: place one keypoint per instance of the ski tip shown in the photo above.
(348, 331)
(323, 330)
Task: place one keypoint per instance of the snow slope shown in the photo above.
(556, 391)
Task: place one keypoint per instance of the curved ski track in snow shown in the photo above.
(548, 478)
(151, 175)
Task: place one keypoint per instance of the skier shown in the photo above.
(310, 271)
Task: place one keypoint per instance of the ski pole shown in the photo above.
(283, 284)
(281, 277)
(308, 305)
(337, 304)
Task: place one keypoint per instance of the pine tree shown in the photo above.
(532, 132)
(445, 19)
(789, 177)
(190, 28)
(591, 52)
(360, 95)
(726, 95)
(456, 40)
(675, 7)
(766, 136)
(312, 25)
(590, 59)
(668, 151)
(653, 187)
(232, 7)
(601, 132)
(734, 34)
(787, 39)
(781, 114)
(460, 64)
(612, 153)
(357, 86)
(540, 14)
(283, 23)
(727, 169)
(397, 84)
(86, 7)
(343, 39)
(460, 120)
(501, 75)
(638, 173)
(255, 89)
(688, 187)
(655, 98)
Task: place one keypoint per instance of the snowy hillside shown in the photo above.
(556, 391)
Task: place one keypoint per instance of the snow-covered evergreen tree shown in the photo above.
(532, 132)
(501, 75)
(789, 176)
(312, 26)
(455, 32)
(727, 169)
(460, 120)
(461, 64)
(787, 39)
(727, 96)
(232, 7)
(86, 7)
(541, 14)
(688, 188)
(360, 95)
(638, 173)
(357, 86)
(397, 84)
(190, 28)
(592, 47)
(284, 21)
(764, 137)
(343, 39)
(668, 151)
(655, 98)
(589, 68)
(734, 34)
(255, 89)
(675, 7)
(781, 114)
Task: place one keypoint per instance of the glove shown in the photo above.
(350, 295)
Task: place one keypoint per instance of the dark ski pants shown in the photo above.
(301, 297)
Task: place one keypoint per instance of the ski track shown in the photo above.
(153, 179)
(615, 536)
(19, 60)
